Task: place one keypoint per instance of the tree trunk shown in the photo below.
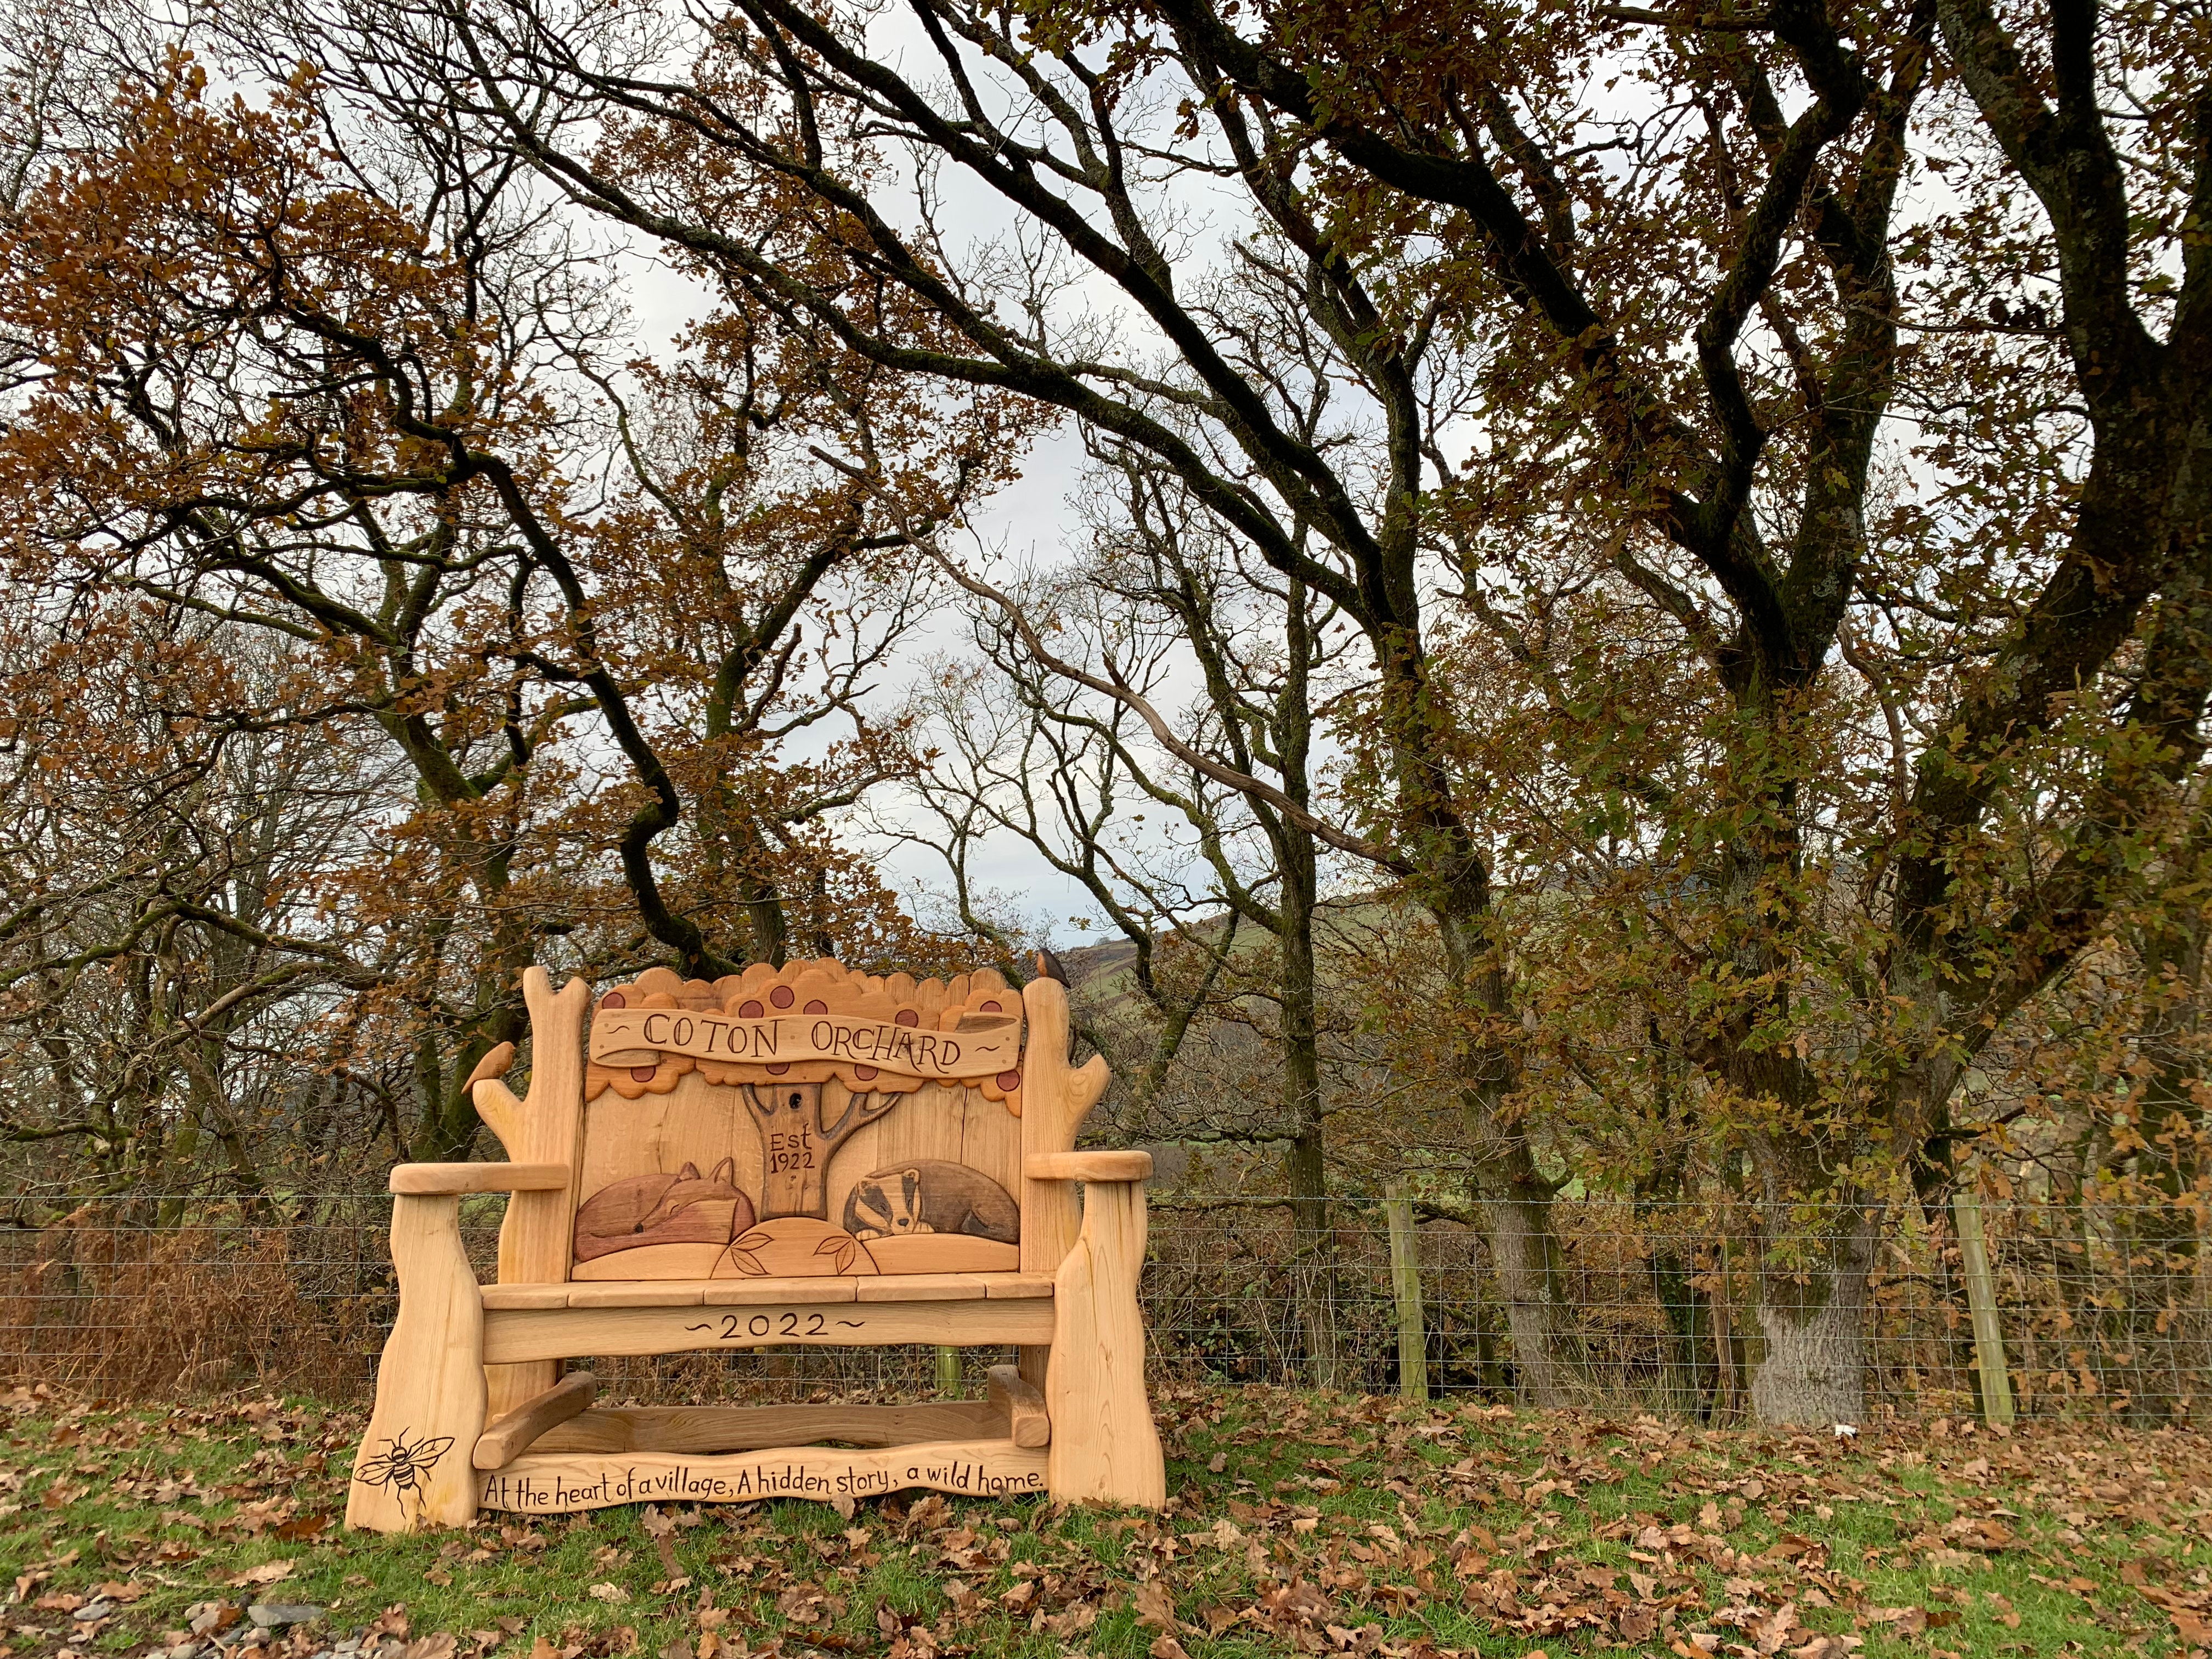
(797, 1144)
(1814, 1315)
(1549, 1354)
(1305, 1164)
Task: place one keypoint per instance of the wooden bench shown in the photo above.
(805, 1156)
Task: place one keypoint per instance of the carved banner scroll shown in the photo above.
(985, 1044)
(806, 1023)
(552, 1483)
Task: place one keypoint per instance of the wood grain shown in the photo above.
(524, 1295)
(748, 1428)
(925, 1195)
(1056, 1099)
(430, 1179)
(649, 1263)
(513, 1433)
(511, 1335)
(1024, 1406)
(548, 1483)
(1105, 1448)
(547, 1128)
(924, 1287)
(1088, 1166)
(493, 1065)
(413, 1469)
(751, 1292)
(935, 1121)
(943, 1252)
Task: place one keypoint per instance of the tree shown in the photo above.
(257, 387)
(1690, 457)
(1165, 596)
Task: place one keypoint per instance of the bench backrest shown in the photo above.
(801, 1122)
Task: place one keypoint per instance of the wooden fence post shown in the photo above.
(1405, 1286)
(1982, 1307)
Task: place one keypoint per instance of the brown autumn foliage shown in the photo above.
(1753, 460)
(296, 511)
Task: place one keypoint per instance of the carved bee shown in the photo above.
(402, 1467)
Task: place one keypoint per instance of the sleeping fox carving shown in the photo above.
(684, 1208)
(931, 1196)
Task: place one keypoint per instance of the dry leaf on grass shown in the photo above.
(1155, 1605)
(268, 1572)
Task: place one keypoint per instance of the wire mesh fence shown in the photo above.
(2099, 1307)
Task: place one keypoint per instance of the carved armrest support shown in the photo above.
(447, 1180)
(1087, 1166)
(1026, 1421)
(511, 1434)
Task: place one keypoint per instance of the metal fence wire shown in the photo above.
(2102, 1308)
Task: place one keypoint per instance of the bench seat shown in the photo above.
(769, 1292)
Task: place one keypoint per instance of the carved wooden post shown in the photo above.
(545, 1128)
(415, 1466)
(1105, 1448)
(1056, 1099)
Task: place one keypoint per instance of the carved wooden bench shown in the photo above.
(805, 1156)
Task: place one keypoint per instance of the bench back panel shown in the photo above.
(809, 1121)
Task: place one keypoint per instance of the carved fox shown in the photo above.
(684, 1208)
(931, 1196)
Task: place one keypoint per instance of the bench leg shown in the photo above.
(415, 1468)
(1105, 1449)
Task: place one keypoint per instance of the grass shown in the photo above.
(1300, 1524)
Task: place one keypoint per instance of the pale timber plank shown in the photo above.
(1056, 1099)
(639, 1293)
(429, 1179)
(413, 1469)
(513, 1334)
(545, 1127)
(1088, 1166)
(526, 1296)
(547, 1483)
(1105, 1448)
(922, 1287)
(779, 1292)
(713, 1429)
(1023, 1406)
(512, 1434)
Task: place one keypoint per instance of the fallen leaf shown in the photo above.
(1156, 1607)
(268, 1572)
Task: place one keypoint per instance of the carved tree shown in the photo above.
(797, 1144)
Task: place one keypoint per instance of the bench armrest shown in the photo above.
(445, 1180)
(1087, 1166)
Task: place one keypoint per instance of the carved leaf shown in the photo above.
(754, 1241)
(746, 1262)
(834, 1243)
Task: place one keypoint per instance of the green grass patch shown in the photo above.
(1300, 1524)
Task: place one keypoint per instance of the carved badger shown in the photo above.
(931, 1196)
(684, 1208)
